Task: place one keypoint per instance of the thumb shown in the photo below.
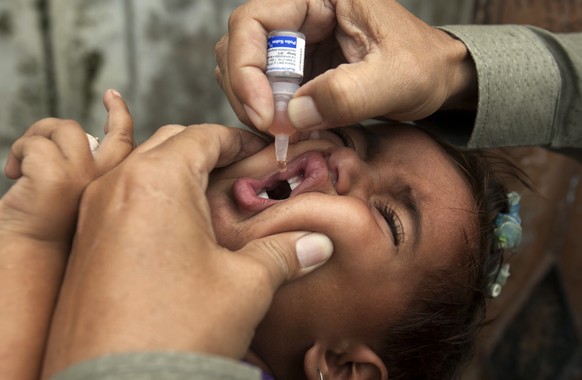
(345, 95)
(118, 141)
(289, 256)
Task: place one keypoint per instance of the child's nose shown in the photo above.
(350, 169)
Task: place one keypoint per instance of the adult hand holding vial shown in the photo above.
(366, 58)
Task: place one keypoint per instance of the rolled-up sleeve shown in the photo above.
(529, 86)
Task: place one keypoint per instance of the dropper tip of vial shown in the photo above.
(282, 166)
(281, 146)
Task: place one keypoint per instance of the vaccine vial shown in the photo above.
(285, 61)
(285, 56)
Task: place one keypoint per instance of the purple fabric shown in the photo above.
(266, 376)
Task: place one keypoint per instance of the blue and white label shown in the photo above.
(285, 55)
(282, 42)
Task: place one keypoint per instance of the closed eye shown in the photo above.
(344, 136)
(393, 221)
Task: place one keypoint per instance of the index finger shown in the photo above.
(246, 53)
(208, 146)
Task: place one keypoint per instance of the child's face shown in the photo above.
(391, 172)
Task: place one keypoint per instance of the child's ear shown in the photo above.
(353, 362)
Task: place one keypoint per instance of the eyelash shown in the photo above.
(387, 212)
(346, 139)
(393, 221)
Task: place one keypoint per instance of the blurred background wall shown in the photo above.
(57, 57)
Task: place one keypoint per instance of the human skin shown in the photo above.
(145, 269)
(340, 310)
(364, 59)
(52, 164)
(150, 219)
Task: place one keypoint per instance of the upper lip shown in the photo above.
(311, 168)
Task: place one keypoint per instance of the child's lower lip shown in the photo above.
(312, 166)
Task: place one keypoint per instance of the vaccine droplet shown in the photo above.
(282, 165)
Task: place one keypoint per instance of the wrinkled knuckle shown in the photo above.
(198, 170)
(209, 132)
(220, 46)
(125, 136)
(235, 17)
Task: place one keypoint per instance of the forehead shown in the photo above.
(406, 156)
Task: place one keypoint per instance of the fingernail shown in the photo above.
(116, 93)
(313, 249)
(93, 142)
(256, 119)
(303, 113)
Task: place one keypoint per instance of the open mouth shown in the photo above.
(282, 189)
(307, 173)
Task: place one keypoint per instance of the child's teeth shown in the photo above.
(263, 195)
(294, 182)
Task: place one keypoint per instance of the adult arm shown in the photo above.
(529, 88)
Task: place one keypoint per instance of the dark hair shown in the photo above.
(436, 335)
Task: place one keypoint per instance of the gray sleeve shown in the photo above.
(530, 86)
(159, 366)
